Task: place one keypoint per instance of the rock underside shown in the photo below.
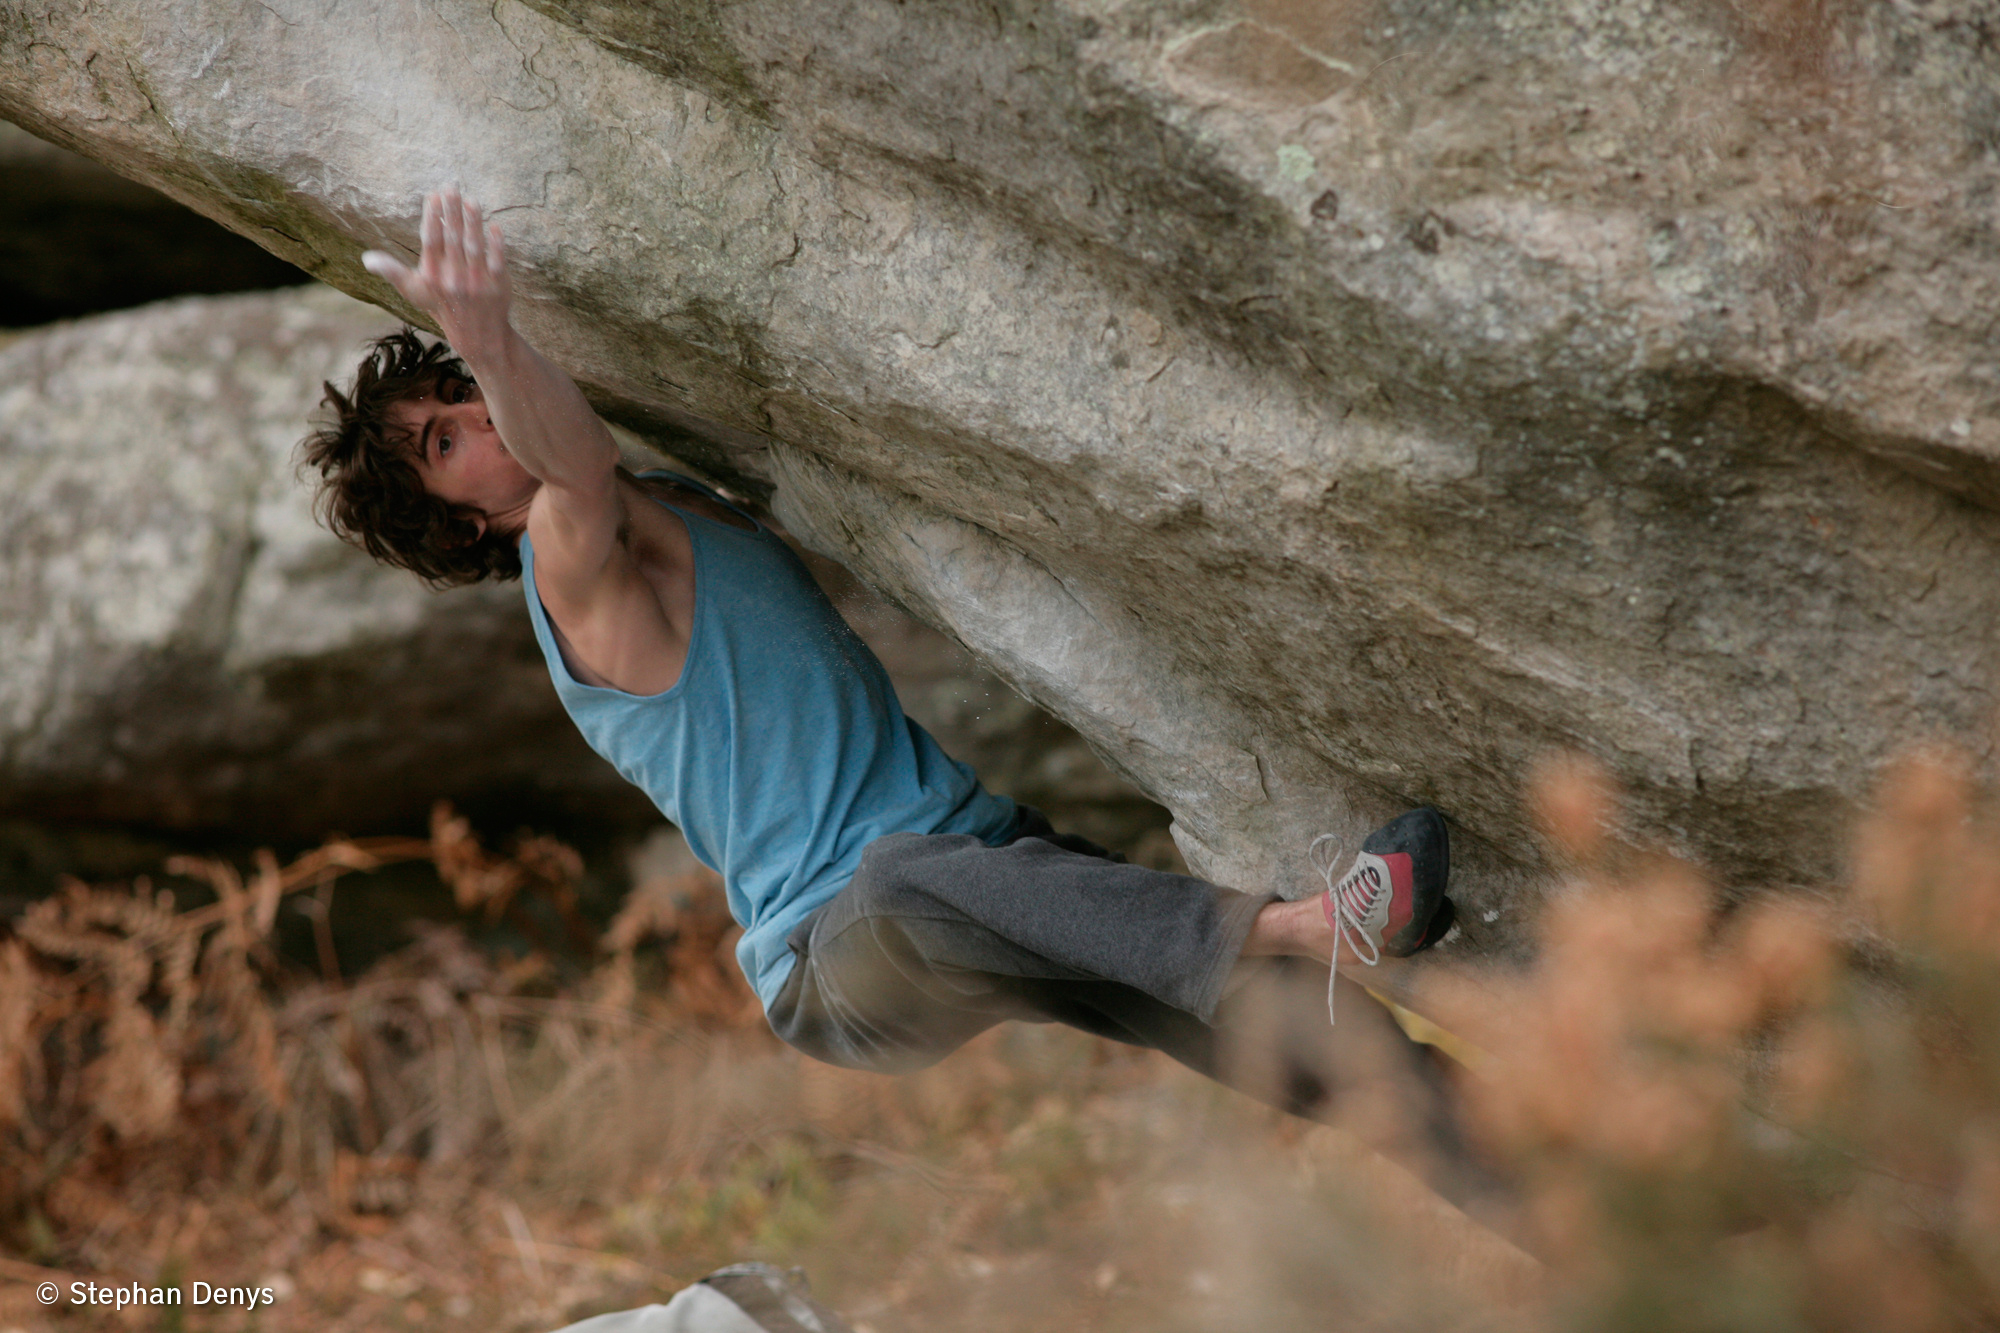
(1323, 405)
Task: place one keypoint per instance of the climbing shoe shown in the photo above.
(1391, 900)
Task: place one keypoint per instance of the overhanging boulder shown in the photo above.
(1322, 405)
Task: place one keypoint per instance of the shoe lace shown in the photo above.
(1347, 923)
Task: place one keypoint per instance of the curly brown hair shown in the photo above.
(370, 492)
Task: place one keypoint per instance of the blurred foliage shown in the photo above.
(1777, 1112)
(1767, 1111)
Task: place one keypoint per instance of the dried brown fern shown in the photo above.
(689, 913)
(161, 1022)
(19, 999)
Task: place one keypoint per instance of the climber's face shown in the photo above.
(460, 458)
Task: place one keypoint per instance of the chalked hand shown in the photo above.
(461, 274)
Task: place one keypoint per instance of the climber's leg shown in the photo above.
(941, 937)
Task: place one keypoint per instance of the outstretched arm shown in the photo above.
(461, 281)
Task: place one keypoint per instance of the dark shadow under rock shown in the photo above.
(77, 239)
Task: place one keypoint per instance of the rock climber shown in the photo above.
(892, 908)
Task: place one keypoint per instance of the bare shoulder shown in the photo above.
(554, 517)
(579, 556)
(622, 620)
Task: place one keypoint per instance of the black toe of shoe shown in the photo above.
(1421, 835)
(1442, 921)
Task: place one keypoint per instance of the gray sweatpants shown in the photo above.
(939, 937)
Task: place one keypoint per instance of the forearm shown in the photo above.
(541, 415)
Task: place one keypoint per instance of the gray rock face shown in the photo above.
(1322, 405)
(1016, 747)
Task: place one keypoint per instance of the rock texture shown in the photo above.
(1016, 747)
(183, 647)
(1322, 404)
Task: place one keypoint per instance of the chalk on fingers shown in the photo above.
(475, 234)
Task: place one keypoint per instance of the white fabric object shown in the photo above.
(696, 1309)
(1350, 927)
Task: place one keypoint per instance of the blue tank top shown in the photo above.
(781, 752)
